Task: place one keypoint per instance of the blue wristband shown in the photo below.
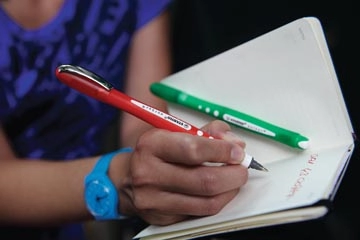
(101, 195)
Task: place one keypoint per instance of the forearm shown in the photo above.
(149, 61)
(43, 192)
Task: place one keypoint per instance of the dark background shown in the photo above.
(204, 28)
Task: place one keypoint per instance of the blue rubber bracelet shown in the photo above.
(95, 181)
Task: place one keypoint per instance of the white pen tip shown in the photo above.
(247, 160)
(304, 144)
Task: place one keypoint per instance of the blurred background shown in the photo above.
(204, 28)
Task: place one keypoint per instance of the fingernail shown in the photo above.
(237, 154)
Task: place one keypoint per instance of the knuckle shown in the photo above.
(208, 183)
(212, 206)
(140, 204)
(192, 148)
(149, 139)
(138, 178)
(140, 174)
(143, 141)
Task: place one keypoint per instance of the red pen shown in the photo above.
(95, 86)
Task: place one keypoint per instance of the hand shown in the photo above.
(167, 182)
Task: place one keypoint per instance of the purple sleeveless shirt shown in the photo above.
(41, 116)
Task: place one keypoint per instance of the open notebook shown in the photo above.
(285, 76)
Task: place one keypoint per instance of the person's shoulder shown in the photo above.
(147, 10)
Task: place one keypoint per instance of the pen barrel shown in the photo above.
(260, 127)
(149, 114)
(244, 121)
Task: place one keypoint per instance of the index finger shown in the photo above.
(183, 148)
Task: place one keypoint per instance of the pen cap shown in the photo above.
(165, 92)
(82, 81)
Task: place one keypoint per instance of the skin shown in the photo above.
(163, 180)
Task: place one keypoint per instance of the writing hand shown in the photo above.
(167, 181)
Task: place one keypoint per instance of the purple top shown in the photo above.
(42, 117)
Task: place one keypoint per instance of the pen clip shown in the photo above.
(83, 73)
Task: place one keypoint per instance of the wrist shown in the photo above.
(119, 168)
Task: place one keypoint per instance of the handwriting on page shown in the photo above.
(304, 172)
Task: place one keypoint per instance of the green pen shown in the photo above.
(231, 116)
